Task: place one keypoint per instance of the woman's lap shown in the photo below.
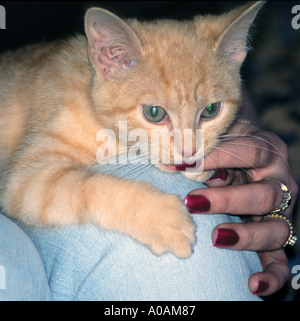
(88, 263)
(22, 274)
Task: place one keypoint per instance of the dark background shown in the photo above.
(271, 73)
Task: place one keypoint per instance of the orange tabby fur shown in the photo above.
(55, 97)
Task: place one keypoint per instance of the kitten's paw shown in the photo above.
(169, 227)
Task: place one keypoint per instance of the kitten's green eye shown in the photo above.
(154, 113)
(211, 110)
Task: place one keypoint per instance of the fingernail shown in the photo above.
(226, 238)
(197, 204)
(261, 288)
(220, 174)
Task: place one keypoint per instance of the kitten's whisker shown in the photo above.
(133, 170)
(262, 148)
(276, 148)
(83, 176)
(228, 158)
(146, 167)
(275, 151)
(214, 165)
(240, 158)
(230, 136)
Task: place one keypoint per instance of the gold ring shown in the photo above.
(287, 195)
(292, 237)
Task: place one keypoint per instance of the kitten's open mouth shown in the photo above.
(179, 167)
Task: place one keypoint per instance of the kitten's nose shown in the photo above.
(189, 144)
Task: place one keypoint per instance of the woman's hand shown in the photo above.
(256, 154)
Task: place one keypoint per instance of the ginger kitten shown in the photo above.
(54, 98)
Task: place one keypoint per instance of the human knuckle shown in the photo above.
(226, 203)
(282, 234)
(283, 147)
(275, 146)
(268, 199)
(249, 238)
(271, 200)
(264, 153)
(285, 272)
(254, 150)
(294, 187)
(279, 145)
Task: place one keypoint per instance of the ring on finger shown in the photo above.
(292, 238)
(286, 198)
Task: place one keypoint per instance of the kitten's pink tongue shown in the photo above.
(180, 167)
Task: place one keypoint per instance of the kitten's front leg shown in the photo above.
(56, 192)
(159, 220)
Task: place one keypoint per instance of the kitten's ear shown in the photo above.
(232, 44)
(113, 45)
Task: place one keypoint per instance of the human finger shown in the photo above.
(257, 198)
(241, 152)
(274, 275)
(253, 236)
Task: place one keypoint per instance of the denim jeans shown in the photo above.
(88, 263)
(22, 274)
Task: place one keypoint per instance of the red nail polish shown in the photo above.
(261, 288)
(197, 204)
(220, 174)
(184, 166)
(226, 238)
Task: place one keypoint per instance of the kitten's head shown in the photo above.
(169, 75)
